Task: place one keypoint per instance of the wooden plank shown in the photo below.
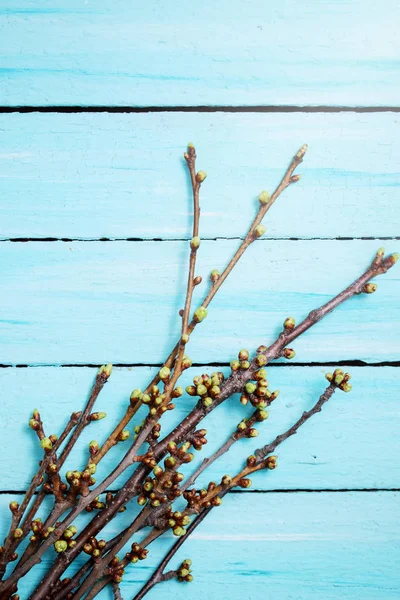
(122, 175)
(163, 53)
(81, 303)
(342, 448)
(304, 546)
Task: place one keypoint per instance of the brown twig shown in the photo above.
(11, 542)
(116, 591)
(157, 576)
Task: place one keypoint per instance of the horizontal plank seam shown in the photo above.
(321, 108)
(273, 491)
(346, 363)
(25, 240)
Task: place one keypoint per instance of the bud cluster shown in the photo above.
(258, 393)
(207, 387)
(177, 521)
(184, 571)
(339, 379)
(136, 553)
(115, 570)
(164, 486)
(66, 541)
(155, 400)
(94, 547)
(198, 438)
(203, 498)
(39, 531)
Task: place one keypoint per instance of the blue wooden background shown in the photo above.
(94, 220)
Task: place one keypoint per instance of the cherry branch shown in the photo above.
(234, 384)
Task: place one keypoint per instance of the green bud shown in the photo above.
(60, 546)
(200, 314)
(250, 387)
(200, 176)
(271, 462)
(260, 375)
(164, 373)
(97, 416)
(14, 506)
(370, 288)
(207, 402)
(346, 387)
(195, 242)
(179, 531)
(124, 435)
(201, 390)
(235, 365)
(105, 370)
(243, 354)
(169, 462)
(259, 231)
(46, 444)
(253, 432)
(289, 353)
(92, 468)
(263, 415)
(215, 275)
(261, 360)
(146, 399)
(18, 533)
(186, 362)
(264, 197)
(185, 338)
(158, 471)
(33, 424)
(242, 426)
(289, 323)
(339, 378)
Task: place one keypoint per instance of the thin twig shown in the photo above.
(190, 156)
(116, 591)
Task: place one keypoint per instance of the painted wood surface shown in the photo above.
(304, 546)
(81, 303)
(122, 175)
(174, 53)
(351, 444)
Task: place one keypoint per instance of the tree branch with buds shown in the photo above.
(156, 484)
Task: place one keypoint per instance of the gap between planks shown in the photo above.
(199, 109)
(342, 363)
(25, 240)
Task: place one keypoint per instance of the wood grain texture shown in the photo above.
(122, 175)
(89, 303)
(164, 53)
(352, 444)
(304, 546)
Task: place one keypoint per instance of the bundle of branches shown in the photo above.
(151, 464)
